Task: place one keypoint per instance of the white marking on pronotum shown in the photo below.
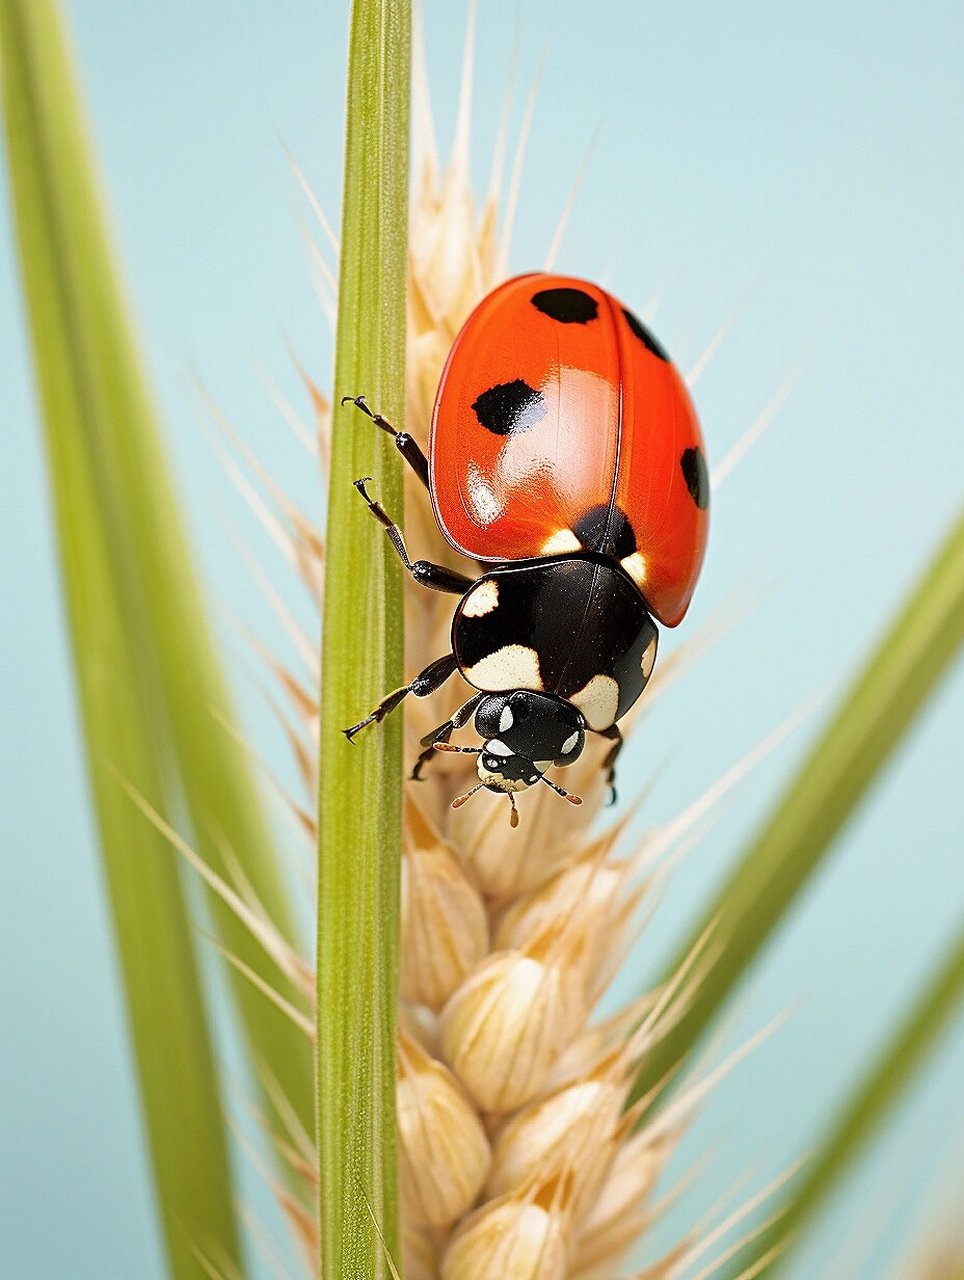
(648, 660)
(635, 566)
(482, 600)
(569, 743)
(506, 719)
(515, 666)
(598, 701)
(559, 542)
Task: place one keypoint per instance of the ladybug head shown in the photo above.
(533, 726)
(523, 734)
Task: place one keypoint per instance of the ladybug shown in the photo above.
(566, 457)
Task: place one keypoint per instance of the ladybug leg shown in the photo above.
(614, 734)
(444, 732)
(426, 682)
(427, 574)
(406, 445)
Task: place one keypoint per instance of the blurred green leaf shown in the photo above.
(179, 1089)
(97, 404)
(860, 1118)
(360, 796)
(870, 722)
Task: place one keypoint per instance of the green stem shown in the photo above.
(360, 797)
(871, 720)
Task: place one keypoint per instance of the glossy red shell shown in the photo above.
(602, 419)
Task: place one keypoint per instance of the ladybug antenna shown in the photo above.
(459, 801)
(450, 746)
(513, 812)
(561, 791)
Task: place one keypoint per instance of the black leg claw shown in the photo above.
(426, 682)
(358, 401)
(406, 444)
(357, 728)
(361, 403)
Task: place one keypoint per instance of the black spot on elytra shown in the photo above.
(644, 335)
(605, 530)
(693, 466)
(568, 306)
(510, 407)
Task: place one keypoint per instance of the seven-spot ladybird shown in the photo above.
(566, 455)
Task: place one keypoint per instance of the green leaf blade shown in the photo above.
(99, 414)
(913, 654)
(360, 799)
(178, 1081)
(163, 605)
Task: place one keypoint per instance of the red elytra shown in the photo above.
(558, 419)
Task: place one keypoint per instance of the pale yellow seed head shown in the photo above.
(510, 1239)
(507, 863)
(445, 929)
(503, 1029)
(555, 899)
(572, 1129)
(528, 1119)
(420, 1254)
(613, 1223)
(443, 1153)
(582, 898)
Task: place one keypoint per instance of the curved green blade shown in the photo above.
(178, 1083)
(914, 652)
(98, 413)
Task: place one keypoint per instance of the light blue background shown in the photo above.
(811, 151)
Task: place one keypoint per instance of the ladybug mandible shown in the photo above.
(566, 456)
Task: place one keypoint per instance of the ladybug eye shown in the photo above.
(491, 763)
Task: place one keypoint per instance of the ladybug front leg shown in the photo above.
(406, 445)
(444, 732)
(426, 682)
(426, 573)
(615, 736)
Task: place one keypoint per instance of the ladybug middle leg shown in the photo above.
(406, 445)
(614, 734)
(426, 682)
(444, 732)
(425, 572)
